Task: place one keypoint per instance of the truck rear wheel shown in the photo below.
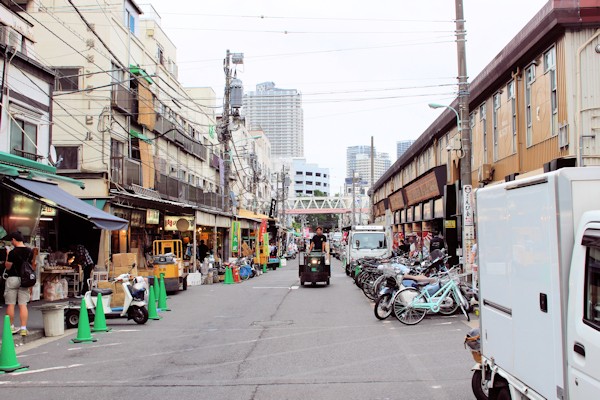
(476, 386)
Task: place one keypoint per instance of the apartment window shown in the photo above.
(309, 173)
(23, 139)
(510, 88)
(309, 183)
(299, 183)
(317, 183)
(318, 174)
(483, 119)
(299, 173)
(550, 68)
(529, 79)
(67, 79)
(67, 157)
(130, 21)
(116, 161)
(495, 118)
(160, 55)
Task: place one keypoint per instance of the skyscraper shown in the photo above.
(402, 146)
(351, 153)
(278, 113)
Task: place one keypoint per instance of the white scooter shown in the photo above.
(134, 305)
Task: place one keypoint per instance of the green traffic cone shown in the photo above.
(228, 276)
(8, 356)
(156, 284)
(280, 263)
(264, 268)
(84, 333)
(152, 312)
(100, 318)
(162, 297)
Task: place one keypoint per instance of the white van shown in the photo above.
(367, 241)
(539, 273)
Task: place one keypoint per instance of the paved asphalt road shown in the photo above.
(261, 339)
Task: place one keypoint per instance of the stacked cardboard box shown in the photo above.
(122, 263)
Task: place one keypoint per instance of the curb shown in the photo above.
(33, 335)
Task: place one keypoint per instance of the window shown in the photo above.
(160, 56)
(495, 117)
(318, 174)
(67, 79)
(299, 173)
(130, 21)
(309, 183)
(67, 157)
(529, 79)
(116, 161)
(510, 88)
(299, 182)
(550, 68)
(483, 119)
(23, 139)
(317, 183)
(309, 173)
(591, 313)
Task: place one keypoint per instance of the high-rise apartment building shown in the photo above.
(381, 163)
(402, 146)
(278, 113)
(351, 153)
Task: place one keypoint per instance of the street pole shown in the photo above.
(283, 194)
(465, 162)
(353, 200)
(225, 133)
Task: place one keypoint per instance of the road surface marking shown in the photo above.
(96, 346)
(35, 371)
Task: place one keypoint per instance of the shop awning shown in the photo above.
(140, 136)
(242, 213)
(53, 196)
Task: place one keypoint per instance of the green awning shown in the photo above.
(8, 170)
(140, 136)
(26, 163)
(54, 177)
(134, 69)
(98, 203)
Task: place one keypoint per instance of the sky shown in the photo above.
(364, 68)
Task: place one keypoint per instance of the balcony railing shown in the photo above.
(176, 190)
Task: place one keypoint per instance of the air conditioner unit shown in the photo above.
(485, 173)
(563, 136)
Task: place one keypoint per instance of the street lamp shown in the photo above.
(458, 126)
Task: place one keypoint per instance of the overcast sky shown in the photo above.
(364, 68)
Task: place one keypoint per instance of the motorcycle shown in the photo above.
(134, 305)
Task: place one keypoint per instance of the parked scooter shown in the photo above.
(134, 305)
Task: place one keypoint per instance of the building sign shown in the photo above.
(397, 200)
(450, 224)
(48, 211)
(272, 208)
(427, 187)
(174, 223)
(468, 205)
(137, 219)
(235, 237)
(428, 211)
(417, 216)
(152, 216)
(438, 208)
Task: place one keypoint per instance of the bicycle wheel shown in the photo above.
(383, 306)
(449, 305)
(403, 309)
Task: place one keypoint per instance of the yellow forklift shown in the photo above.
(167, 259)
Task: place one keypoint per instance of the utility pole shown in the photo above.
(463, 109)
(283, 194)
(353, 198)
(225, 130)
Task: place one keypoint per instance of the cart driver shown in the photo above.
(317, 243)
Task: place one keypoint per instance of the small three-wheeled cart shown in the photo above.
(313, 268)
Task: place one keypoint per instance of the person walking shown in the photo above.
(437, 243)
(13, 292)
(83, 258)
(202, 251)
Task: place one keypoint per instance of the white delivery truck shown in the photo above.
(539, 253)
(367, 241)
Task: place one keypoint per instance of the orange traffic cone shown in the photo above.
(8, 356)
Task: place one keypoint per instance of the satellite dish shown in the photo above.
(183, 225)
(52, 155)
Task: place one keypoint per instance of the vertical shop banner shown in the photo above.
(468, 229)
(235, 237)
(263, 228)
(265, 244)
